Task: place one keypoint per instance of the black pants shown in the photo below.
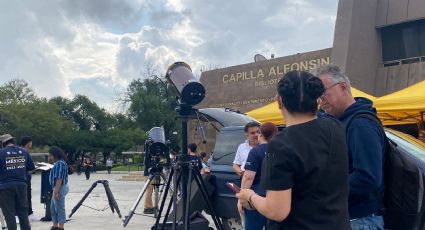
(29, 196)
(88, 170)
(14, 202)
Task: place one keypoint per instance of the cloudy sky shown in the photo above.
(97, 47)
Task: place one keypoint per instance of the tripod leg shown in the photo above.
(156, 195)
(176, 182)
(204, 192)
(167, 187)
(187, 204)
(167, 213)
(164, 178)
(83, 199)
(111, 199)
(136, 203)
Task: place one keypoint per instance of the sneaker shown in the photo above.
(31, 218)
(148, 211)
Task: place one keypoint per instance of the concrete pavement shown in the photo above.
(125, 193)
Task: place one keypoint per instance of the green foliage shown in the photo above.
(153, 103)
(39, 119)
(80, 126)
(16, 91)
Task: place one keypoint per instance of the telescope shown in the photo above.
(156, 144)
(191, 91)
(157, 151)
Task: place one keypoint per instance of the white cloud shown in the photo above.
(62, 47)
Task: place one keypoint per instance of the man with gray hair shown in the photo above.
(366, 146)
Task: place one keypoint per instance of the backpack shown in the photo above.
(403, 200)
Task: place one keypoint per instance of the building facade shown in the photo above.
(379, 43)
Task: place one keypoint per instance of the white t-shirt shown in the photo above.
(109, 163)
(242, 154)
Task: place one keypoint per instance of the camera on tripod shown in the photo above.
(157, 151)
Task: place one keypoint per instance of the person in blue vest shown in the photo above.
(252, 176)
(15, 162)
(366, 147)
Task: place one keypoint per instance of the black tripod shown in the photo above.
(184, 171)
(111, 200)
(154, 177)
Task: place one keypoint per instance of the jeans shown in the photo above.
(57, 207)
(371, 222)
(14, 202)
(254, 220)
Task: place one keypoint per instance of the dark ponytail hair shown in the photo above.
(299, 91)
(58, 154)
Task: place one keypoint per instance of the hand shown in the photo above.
(56, 195)
(240, 208)
(243, 196)
(240, 172)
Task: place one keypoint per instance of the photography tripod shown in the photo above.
(155, 179)
(111, 200)
(184, 171)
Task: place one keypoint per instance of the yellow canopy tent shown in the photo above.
(404, 106)
(271, 112)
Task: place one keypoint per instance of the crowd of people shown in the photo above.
(16, 167)
(324, 170)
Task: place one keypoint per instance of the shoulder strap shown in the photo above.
(363, 115)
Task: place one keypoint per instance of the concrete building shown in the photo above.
(379, 43)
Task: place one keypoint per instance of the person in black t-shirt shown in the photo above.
(251, 178)
(193, 155)
(305, 171)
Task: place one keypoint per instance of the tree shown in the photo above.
(98, 131)
(152, 103)
(39, 119)
(16, 91)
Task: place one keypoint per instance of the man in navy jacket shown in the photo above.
(15, 162)
(366, 145)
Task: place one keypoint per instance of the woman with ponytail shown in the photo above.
(305, 171)
(59, 181)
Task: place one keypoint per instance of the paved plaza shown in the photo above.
(125, 193)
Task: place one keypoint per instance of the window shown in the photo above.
(403, 41)
(227, 144)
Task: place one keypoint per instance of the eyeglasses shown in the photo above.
(326, 89)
